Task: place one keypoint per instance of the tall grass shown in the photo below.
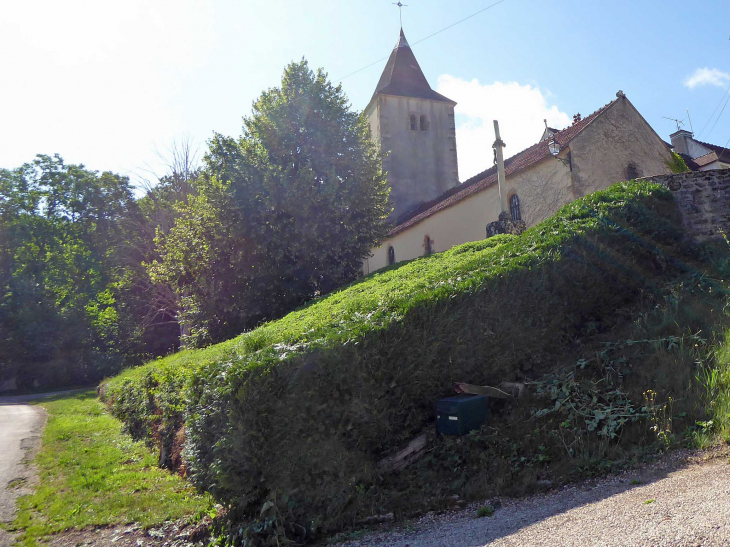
(714, 380)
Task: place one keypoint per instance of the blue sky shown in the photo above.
(108, 83)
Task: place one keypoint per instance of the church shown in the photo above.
(433, 211)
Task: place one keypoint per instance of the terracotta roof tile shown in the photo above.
(487, 178)
(706, 159)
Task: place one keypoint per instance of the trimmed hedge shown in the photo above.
(304, 407)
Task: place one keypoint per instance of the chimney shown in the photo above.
(680, 141)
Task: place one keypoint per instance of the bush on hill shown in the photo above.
(592, 308)
(287, 211)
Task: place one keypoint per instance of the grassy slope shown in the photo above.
(305, 406)
(91, 474)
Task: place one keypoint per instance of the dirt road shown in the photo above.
(20, 429)
(673, 502)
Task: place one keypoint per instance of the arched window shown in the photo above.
(424, 122)
(414, 123)
(514, 207)
(632, 171)
(427, 245)
(391, 255)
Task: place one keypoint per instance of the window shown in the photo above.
(424, 123)
(391, 255)
(427, 245)
(414, 122)
(632, 171)
(514, 207)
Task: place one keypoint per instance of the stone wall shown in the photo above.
(703, 198)
(602, 152)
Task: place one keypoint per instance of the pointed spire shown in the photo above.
(403, 76)
(402, 42)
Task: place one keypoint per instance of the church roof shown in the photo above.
(403, 77)
(515, 164)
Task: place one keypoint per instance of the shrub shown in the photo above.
(303, 408)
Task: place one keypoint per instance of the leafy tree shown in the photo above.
(63, 316)
(284, 213)
(157, 303)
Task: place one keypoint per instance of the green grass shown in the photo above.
(605, 298)
(387, 296)
(485, 511)
(375, 302)
(714, 378)
(93, 475)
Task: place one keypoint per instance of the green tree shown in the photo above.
(285, 213)
(157, 303)
(63, 315)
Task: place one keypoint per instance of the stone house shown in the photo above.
(433, 212)
(698, 155)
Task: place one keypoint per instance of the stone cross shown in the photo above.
(498, 145)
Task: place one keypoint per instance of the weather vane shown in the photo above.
(400, 10)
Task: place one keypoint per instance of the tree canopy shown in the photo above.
(62, 318)
(284, 213)
(92, 279)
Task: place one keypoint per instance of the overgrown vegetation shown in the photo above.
(677, 164)
(286, 212)
(604, 310)
(93, 475)
(715, 381)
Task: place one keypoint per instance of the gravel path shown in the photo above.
(679, 501)
(20, 429)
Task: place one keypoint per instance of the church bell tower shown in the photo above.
(415, 125)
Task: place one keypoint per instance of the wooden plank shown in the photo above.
(407, 456)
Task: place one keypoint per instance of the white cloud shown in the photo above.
(520, 110)
(707, 76)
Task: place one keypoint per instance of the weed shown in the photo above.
(16, 483)
(660, 415)
(647, 502)
(485, 511)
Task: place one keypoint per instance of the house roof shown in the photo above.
(403, 76)
(723, 154)
(485, 179)
(706, 159)
(717, 153)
